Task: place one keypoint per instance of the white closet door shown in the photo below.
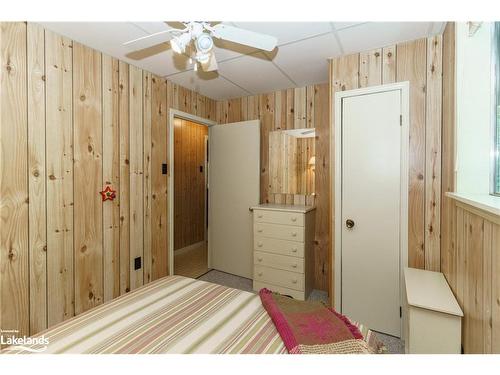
(371, 191)
(234, 187)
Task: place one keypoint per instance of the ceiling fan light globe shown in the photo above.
(204, 43)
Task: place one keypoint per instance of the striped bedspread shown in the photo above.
(171, 315)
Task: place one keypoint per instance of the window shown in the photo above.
(496, 109)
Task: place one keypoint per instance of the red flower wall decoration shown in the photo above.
(108, 194)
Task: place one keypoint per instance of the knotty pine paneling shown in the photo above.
(147, 107)
(111, 176)
(72, 121)
(477, 286)
(189, 183)
(136, 175)
(411, 66)
(159, 209)
(59, 181)
(433, 129)
(14, 194)
(124, 188)
(87, 177)
(37, 176)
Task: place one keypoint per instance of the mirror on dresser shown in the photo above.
(292, 161)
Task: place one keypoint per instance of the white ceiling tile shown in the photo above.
(152, 27)
(379, 34)
(225, 50)
(306, 61)
(255, 73)
(208, 84)
(287, 32)
(161, 60)
(344, 25)
(107, 37)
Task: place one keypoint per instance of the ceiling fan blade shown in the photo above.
(246, 37)
(152, 39)
(211, 65)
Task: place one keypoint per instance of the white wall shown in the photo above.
(473, 109)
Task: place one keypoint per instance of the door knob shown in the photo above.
(349, 223)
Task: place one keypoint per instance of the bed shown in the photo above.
(172, 315)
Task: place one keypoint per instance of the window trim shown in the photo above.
(495, 83)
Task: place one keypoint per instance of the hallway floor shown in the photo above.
(191, 262)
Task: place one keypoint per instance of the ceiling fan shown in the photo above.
(196, 40)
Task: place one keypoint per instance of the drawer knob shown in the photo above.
(259, 216)
(260, 274)
(294, 234)
(259, 244)
(259, 259)
(294, 250)
(294, 281)
(259, 230)
(294, 266)
(294, 219)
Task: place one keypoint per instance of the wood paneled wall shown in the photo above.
(189, 183)
(476, 276)
(420, 63)
(305, 107)
(73, 120)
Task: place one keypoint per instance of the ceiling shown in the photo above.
(300, 58)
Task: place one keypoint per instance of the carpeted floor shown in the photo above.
(393, 344)
(226, 279)
(242, 283)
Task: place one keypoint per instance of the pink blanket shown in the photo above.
(310, 327)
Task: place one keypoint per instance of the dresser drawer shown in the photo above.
(297, 294)
(287, 279)
(283, 232)
(279, 217)
(282, 247)
(281, 262)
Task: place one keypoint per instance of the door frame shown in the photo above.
(336, 173)
(174, 113)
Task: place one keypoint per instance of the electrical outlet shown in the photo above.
(137, 263)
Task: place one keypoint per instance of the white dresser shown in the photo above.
(283, 249)
(433, 316)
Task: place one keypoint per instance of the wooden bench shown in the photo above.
(433, 316)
